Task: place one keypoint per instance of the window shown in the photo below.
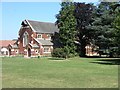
(25, 39)
(16, 51)
(39, 36)
(46, 49)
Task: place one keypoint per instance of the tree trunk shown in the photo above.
(82, 49)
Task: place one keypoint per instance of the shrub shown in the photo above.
(60, 53)
(64, 52)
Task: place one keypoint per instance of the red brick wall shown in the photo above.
(14, 52)
(31, 37)
(30, 32)
(43, 35)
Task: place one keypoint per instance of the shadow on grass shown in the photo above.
(54, 58)
(110, 61)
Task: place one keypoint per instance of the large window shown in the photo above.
(25, 39)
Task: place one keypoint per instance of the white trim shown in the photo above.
(31, 35)
(27, 52)
(32, 49)
(32, 42)
(38, 41)
(51, 47)
(36, 51)
(47, 51)
(30, 25)
(16, 51)
(48, 37)
(41, 46)
(24, 38)
(25, 49)
(12, 49)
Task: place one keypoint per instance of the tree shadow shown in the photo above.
(54, 58)
(110, 61)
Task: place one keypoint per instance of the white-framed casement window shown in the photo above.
(39, 36)
(46, 50)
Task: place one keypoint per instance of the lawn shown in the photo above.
(54, 73)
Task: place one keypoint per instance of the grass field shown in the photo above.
(54, 73)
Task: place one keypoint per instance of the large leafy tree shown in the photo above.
(83, 14)
(66, 23)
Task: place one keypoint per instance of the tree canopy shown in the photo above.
(81, 24)
(66, 23)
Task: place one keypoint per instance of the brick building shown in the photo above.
(4, 50)
(34, 39)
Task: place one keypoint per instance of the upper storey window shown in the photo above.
(39, 36)
(25, 39)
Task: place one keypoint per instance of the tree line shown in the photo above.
(82, 24)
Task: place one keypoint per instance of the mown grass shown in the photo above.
(54, 73)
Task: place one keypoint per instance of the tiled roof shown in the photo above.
(34, 45)
(43, 27)
(44, 42)
(14, 46)
(5, 43)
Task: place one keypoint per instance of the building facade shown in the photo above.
(4, 50)
(34, 39)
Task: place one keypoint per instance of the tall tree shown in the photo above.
(83, 14)
(102, 26)
(66, 23)
(117, 26)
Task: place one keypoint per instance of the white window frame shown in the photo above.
(25, 33)
(36, 51)
(16, 51)
(40, 36)
(46, 51)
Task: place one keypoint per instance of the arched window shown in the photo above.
(25, 39)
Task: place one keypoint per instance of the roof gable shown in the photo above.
(42, 27)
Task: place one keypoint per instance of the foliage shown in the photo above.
(66, 23)
(83, 14)
(62, 53)
(81, 24)
(117, 29)
(102, 26)
(58, 52)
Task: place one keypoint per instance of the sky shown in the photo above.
(13, 13)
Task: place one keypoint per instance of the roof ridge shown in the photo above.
(40, 21)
